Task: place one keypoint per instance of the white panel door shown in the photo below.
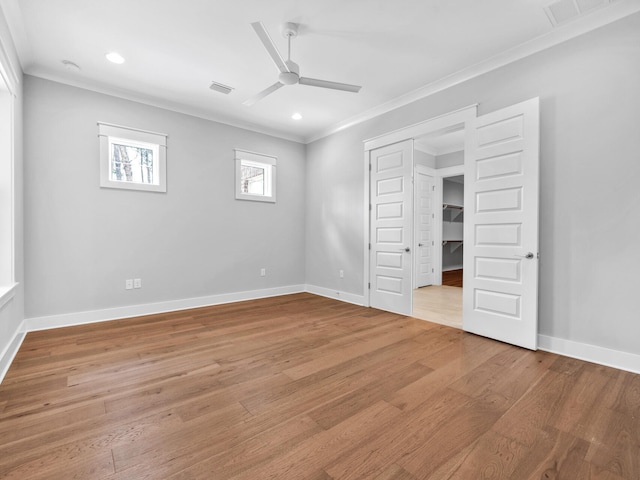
(424, 215)
(500, 297)
(391, 227)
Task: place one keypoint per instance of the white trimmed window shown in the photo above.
(132, 159)
(255, 176)
(8, 82)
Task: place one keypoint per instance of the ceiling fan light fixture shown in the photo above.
(289, 78)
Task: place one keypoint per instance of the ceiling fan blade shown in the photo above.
(314, 82)
(259, 96)
(270, 46)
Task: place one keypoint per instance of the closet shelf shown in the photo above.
(455, 244)
(456, 210)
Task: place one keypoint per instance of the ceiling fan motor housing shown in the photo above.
(292, 76)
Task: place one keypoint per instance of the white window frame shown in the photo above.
(110, 134)
(268, 163)
(8, 86)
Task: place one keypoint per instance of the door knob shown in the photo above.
(529, 255)
(421, 244)
(405, 249)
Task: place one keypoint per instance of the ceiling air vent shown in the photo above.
(218, 87)
(564, 10)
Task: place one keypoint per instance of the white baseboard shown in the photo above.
(81, 318)
(590, 353)
(10, 352)
(452, 267)
(336, 294)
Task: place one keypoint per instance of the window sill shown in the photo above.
(6, 293)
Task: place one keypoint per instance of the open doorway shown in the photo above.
(439, 227)
(501, 168)
(391, 244)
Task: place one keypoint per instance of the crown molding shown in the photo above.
(15, 23)
(591, 21)
(424, 148)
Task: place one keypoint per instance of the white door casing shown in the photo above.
(391, 221)
(500, 297)
(424, 185)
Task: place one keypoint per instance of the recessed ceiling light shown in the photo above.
(296, 116)
(69, 65)
(115, 57)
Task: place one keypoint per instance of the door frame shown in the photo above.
(451, 120)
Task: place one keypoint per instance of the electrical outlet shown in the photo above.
(137, 283)
(128, 284)
(263, 272)
(341, 273)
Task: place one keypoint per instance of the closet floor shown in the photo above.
(439, 304)
(452, 278)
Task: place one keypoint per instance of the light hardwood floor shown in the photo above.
(440, 304)
(304, 387)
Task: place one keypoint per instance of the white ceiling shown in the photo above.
(397, 50)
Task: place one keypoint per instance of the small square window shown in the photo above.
(255, 176)
(132, 159)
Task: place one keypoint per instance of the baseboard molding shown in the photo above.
(93, 316)
(10, 352)
(336, 294)
(450, 268)
(590, 353)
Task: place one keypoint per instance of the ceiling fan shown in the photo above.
(289, 70)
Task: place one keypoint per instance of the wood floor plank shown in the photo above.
(307, 388)
(395, 472)
(253, 452)
(389, 447)
(492, 456)
(425, 455)
(312, 454)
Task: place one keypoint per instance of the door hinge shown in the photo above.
(432, 244)
(369, 246)
(369, 285)
(369, 166)
(433, 215)
(433, 187)
(370, 207)
(432, 270)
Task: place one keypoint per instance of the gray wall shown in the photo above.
(450, 159)
(12, 314)
(423, 158)
(590, 172)
(452, 192)
(83, 241)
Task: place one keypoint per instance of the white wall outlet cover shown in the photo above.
(128, 284)
(263, 272)
(137, 283)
